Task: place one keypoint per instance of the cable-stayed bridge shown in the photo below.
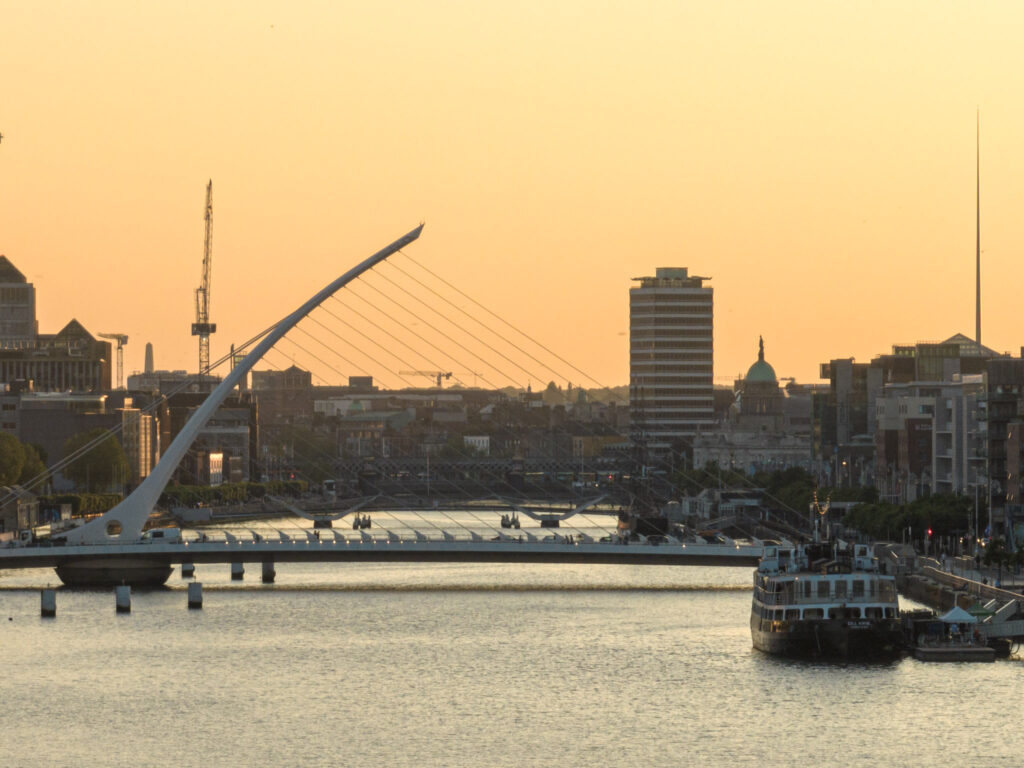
(112, 548)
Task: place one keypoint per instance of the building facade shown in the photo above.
(671, 346)
(70, 360)
(17, 306)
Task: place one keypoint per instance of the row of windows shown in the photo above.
(19, 294)
(658, 393)
(687, 326)
(685, 402)
(670, 345)
(653, 323)
(678, 339)
(666, 430)
(703, 296)
(661, 416)
(769, 615)
(678, 369)
(697, 380)
(671, 309)
(658, 355)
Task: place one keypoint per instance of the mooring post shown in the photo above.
(123, 598)
(195, 594)
(268, 572)
(188, 570)
(237, 571)
(48, 602)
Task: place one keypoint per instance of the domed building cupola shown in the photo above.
(761, 371)
(758, 395)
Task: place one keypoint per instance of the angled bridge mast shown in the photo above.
(124, 523)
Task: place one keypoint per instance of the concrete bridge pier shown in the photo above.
(195, 594)
(268, 572)
(188, 570)
(48, 603)
(237, 571)
(123, 598)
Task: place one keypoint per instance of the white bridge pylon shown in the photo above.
(124, 523)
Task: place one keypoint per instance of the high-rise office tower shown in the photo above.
(17, 307)
(670, 359)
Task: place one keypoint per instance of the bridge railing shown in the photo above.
(979, 590)
(305, 537)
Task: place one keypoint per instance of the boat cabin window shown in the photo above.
(792, 614)
(858, 587)
(807, 589)
(890, 613)
(814, 613)
(841, 588)
(872, 612)
(822, 589)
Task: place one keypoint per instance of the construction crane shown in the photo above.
(202, 327)
(121, 340)
(436, 375)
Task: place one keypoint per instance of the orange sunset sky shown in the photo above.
(816, 159)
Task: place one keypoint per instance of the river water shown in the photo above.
(466, 665)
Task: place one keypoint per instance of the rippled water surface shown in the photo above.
(466, 665)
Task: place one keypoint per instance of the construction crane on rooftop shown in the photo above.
(121, 339)
(202, 327)
(436, 375)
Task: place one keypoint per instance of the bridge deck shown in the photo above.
(340, 549)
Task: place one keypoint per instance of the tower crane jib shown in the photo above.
(202, 327)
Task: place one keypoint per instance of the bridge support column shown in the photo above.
(195, 594)
(237, 571)
(48, 602)
(268, 572)
(188, 570)
(123, 598)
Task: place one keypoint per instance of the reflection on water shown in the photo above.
(467, 665)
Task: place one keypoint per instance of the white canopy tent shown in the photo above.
(958, 616)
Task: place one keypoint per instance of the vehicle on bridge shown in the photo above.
(163, 535)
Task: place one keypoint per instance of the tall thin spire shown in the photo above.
(977, 192)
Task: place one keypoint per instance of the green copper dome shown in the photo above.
(761, 370)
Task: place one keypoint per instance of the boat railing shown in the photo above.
(791, 598)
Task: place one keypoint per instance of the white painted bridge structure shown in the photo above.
(111, 548)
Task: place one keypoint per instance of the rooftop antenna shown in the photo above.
(977, 166)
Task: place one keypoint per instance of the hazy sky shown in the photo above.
(816, 159)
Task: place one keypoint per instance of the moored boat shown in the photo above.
(824, 599)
